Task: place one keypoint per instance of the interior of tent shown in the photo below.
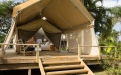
(52, 33)
(46, 42)
(56, 17)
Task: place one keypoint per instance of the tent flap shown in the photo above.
(26, 35)
(54, 38)
(36, 25)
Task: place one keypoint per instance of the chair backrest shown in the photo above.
(22, 47)
(21, 41)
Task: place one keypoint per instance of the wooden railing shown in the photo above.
(2, 51)
(99, 48)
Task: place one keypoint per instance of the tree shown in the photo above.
(116, 11)
(6, 9)
(103, 22)
(108, 37)
(111, 40)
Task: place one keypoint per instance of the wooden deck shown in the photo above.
(12, 55)
(14, 61)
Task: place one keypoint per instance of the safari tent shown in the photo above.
(69, 17)
(55, 17)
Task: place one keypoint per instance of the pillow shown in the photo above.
(47, 43)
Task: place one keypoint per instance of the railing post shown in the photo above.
(115, 52)
(37, 54)
(99, 55)
(29, 71)
(2, 54)
(79, 52)
(114, 60)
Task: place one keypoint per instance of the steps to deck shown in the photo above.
(77, 71)
(60, 62)
(64, 67)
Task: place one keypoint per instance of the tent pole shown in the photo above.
(2, 54)
(29, 71)
(9, 36)
(79, 52)
(16, 34)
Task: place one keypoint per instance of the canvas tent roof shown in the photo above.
(63, 14)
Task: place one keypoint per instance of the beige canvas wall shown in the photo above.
(82, 37)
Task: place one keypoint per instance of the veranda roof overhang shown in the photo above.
(62, 14)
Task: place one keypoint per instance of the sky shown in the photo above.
(18, 0)
(111, 3)
(15, 0)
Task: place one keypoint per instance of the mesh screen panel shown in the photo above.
(54, 38)
(26, 35)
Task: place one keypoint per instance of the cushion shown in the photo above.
(47, 43)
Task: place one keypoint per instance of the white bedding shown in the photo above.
(45, 47)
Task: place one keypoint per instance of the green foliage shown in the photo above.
(116, 11)
(112, 64)
(6, 9)
(111, 38)
(2, 38)
(103, 22)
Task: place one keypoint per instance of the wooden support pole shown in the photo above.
(16, 39)
(2, 54)
(29, 71)
(99, 55)
(3, 51)
(79, 52)
(86, 67)
(115, 52)
(41, 67)
(114, 60)
(82, 1)
(37, 54)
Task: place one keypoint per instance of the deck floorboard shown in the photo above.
(12, 57)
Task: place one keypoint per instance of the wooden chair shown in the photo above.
(25, 49)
